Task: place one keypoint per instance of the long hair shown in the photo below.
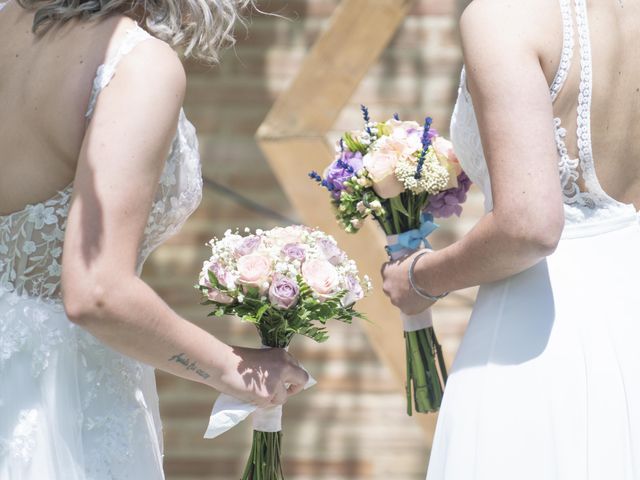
(200, 27)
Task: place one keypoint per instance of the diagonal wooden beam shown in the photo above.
(293, 139)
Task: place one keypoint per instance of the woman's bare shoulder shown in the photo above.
(505, 24)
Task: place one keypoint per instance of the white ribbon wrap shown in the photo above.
(410, 323)
(229, 411)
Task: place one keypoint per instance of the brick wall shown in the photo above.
(352, 425)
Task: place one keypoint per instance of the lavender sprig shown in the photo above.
(426, 143)
(315, 176)
(396, 117)
(322, 181)
(367, 119)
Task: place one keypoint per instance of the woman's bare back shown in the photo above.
(615, 111)
(45, 84)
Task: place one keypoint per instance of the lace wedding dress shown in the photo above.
(71, 408)
(546, 383)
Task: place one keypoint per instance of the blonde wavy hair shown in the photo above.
(200, 27)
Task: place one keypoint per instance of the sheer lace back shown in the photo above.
(581, 205)
(31, 240)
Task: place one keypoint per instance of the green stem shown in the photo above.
(264, 460)
(409, 374)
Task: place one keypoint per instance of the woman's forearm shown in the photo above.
(128, 316)
(491, 251)
(132, 319)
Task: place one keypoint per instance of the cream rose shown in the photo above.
(321, 276)
(448, 159)
(408, 135)
(381, 165)
(254, 271)
(286, 235)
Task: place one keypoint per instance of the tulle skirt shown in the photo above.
(546, 383)
(70, 407)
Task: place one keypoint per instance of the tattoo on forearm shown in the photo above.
(189, 365)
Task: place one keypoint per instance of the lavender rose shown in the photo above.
(248, 245)
(284, 293)
(294, 251)
(354, 291)
(331, 251)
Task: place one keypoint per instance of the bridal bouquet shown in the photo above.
(285, 281)
(403, 174)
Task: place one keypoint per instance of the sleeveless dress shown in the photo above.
(71, 408)
(546, 383)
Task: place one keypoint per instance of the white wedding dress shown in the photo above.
(546, 383)
(71, 408)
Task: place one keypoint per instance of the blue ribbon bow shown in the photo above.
(412, 239)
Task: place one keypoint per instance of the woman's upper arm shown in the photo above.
(515, 116)
(121, 159)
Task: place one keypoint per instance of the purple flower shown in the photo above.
(331, 251)
(341, 170)
(284, 293)
(248, 245)
(448, 203)
(353, 159)
(294, 251)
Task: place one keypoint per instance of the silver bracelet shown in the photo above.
(418, 290)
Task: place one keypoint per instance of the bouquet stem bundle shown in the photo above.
(403, 175)
(426, 370)
(264, 460)
(286, 281)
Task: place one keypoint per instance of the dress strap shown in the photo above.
(585, 149)
(567, 49)
(107, 70)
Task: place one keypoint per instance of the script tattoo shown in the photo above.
(189, 365)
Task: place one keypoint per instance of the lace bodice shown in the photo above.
(31, 240)
(588, 205)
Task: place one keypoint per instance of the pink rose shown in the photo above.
(254, 271)
(213, 293)
(217, 296)
(321, 276)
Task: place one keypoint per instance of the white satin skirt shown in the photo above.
(546, 383)
(70, 407)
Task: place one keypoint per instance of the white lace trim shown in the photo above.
(107, 70)
(567, 50)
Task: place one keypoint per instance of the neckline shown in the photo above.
(58, 195)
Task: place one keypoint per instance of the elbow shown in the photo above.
(538, 233)
(84, 302)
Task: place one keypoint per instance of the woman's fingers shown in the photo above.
(280, 396)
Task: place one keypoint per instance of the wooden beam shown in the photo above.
(358, 32)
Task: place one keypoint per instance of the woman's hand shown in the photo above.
(265, 377)
(396, 286)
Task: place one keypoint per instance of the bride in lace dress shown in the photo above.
(546, 383)
(99, 165)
